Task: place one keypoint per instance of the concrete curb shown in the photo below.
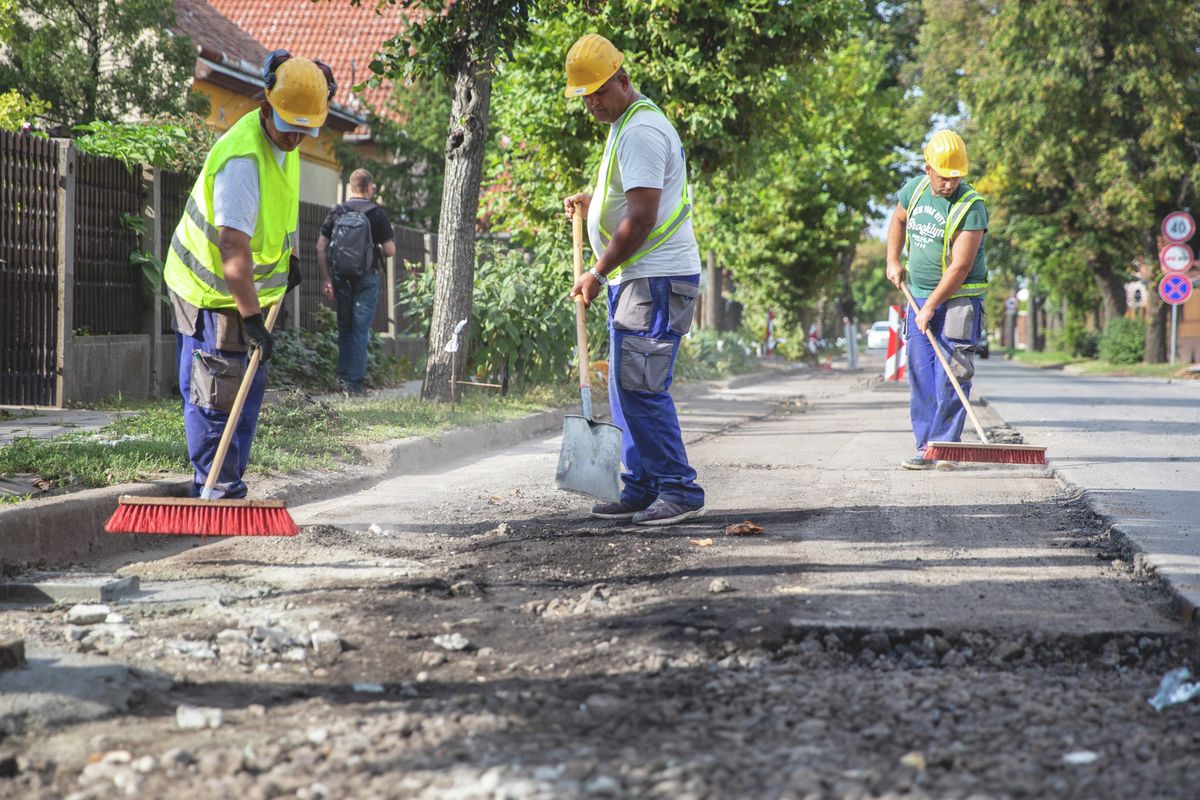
(67, 529)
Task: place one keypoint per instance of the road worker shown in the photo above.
(941, 221)
(639, 223)
(232, 257)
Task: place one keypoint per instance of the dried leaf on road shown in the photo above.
(701, 542)
(746, 528)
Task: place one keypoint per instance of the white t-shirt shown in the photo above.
(651, 156)
(235, 193)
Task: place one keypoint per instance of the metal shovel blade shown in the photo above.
(590, 460)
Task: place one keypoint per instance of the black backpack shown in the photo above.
(351, 247)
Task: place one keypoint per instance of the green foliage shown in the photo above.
(17, 110)
(707, 354)
(66, 54)
(307, 359)
(409, 185)
(180, 143)
(1123, 342)
(523, 324)
(1077, 339)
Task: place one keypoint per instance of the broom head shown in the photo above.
(985, 453)
(187, 516)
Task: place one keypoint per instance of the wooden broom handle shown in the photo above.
(937, 348)
(235, 413)
(581, 342)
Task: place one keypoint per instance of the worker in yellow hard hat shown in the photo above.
(639, 222)
(941, 222)
(232, 255)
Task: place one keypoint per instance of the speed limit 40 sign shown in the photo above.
(1178, 226)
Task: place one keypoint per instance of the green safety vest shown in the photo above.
(193, 264)
(667, 229)
(958, 213)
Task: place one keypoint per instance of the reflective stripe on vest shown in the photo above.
(958, 212)
(663, 232)
(193, 263)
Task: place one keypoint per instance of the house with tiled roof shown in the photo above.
(228, 71)
(345, 36)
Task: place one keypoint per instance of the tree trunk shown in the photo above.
(456, 227)
(1112, 290)
(1157, 312)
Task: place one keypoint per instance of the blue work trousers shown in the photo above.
(356, 299)
(937, 413)
(209, 379)
(647, 318)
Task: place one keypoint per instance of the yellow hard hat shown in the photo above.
(590, 62)
(947, 154)
(298, 90)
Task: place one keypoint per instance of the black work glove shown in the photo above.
(258, 336)
(294, 276)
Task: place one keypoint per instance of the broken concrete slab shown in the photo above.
(50, 587)
(55, 688)
(12, 653)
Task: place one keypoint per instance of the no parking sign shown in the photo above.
(1175, 289)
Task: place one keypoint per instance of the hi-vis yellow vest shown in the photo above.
(193, 265)
(667, 229)
(976, 284)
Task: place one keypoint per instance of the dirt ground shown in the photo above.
(468, 632)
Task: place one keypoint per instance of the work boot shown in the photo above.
(616, 510)
(916, 462)
(667, 512)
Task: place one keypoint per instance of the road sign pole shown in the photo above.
(1174, 319)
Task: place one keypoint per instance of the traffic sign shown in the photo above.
(1178, 226)
(1175, 289)
(1176, 257)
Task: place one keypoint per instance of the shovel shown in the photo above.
(590, 460)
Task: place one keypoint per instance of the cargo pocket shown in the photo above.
(645, 363)
(683, 306)
(959, 329)
(215, 381)
(230, 333)
(635, 306)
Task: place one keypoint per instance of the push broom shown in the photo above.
(985, 451)
(203, 516)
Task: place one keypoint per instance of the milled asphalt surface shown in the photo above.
(1130, 444)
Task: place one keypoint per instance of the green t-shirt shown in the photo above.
(926, 230)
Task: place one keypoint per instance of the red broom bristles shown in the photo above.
(985, 453)
(172, 517)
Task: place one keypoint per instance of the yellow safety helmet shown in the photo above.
(299, 90)
(590, 62)
(947, 154)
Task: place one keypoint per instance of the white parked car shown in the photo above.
(877, 336)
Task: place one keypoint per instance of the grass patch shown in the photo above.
(294, 433)
(401, 417)
(1095, 366)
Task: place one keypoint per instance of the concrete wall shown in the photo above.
(100, 367)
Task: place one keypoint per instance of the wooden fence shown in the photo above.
(70, 225)
(29, 256)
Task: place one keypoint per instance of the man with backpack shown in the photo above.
(355, 238)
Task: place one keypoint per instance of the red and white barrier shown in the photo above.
(897, 353)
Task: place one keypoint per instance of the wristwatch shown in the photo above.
(603, 281)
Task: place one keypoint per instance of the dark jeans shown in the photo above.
(355, 299)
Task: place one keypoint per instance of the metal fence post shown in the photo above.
(151, 243)
(66, 270)
(712, 294)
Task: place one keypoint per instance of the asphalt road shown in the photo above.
(1133, 444)
(469, 632)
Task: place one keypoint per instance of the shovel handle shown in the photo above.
(581, 342)
(937, 348)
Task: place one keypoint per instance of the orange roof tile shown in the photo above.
(344, 36)
(201, 23)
